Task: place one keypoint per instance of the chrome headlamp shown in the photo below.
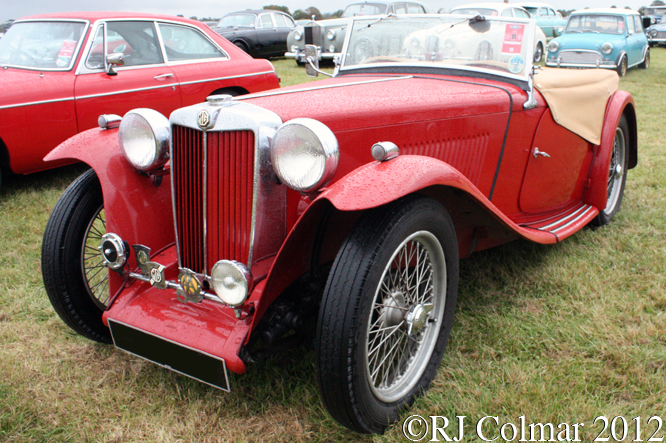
(298, 35)
(144, 138)
(553, 46)
(305, 154)
(607, 48)
(330, 34)
(653, 33)
(231, 281)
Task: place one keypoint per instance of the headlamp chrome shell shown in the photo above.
(298, 35)
(231, 281)
(304, 154)
(607, 48)
(553, 46)
(144, 138)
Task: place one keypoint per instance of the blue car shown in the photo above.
(601, 38)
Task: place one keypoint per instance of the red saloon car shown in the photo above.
(335, 212)
(60, 72)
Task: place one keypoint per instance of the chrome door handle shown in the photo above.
(157, 77)
(541, 153)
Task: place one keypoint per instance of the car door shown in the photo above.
(558, 161)
(634, 54)
(199, 64)
(268, 35)
(145, 80)
(284, 25)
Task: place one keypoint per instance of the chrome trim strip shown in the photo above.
(316, 88)
(589, 208)
(204, 185)
(172, 179)
(226, 78)
(561, 220)
(56, 100)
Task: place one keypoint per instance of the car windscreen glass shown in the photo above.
(364, 9)
(596, 23)
(230, 21)
(49, 45)
(473, 11)
(184, 43)
(498, 46)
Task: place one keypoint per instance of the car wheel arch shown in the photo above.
(233, 91)
(322, 229)
(620, 105)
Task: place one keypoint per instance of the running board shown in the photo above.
(566, 222)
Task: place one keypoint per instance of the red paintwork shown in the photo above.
(450, 132)
(29, 132)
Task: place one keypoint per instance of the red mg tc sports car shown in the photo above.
(59, 72)
(334, 213)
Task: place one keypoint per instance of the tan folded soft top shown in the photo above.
(577, 98)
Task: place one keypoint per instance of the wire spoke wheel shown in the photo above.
(95, 272)
(75, 279)
(386, 312)
(405, 316)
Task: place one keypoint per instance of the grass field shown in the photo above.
(558, 334)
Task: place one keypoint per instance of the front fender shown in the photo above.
(135, 208)
(621, 103)
(378, 183)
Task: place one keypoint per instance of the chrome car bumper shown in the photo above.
(556, 64)
(579, 59)
(300, 55)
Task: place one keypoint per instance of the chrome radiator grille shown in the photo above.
(213, 192)
(587, 57)
(313, 35)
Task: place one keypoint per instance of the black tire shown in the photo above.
(622, 66)
(242, 46)
(617, 174)
(646, 62)
(538, 53)
(75, 279)
(354, 314)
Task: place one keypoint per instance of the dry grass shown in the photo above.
(560, 333)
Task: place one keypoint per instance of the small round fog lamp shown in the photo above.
(113, 251)
(231, 281)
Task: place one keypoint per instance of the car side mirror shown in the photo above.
(112, 60)
(311, 61)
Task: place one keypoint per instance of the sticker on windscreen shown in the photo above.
(513, 38)
(516, 65)
(66, 52)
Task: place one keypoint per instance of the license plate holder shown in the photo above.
(182, 359)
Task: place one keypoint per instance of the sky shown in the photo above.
(13, 9)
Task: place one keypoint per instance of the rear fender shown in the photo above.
(621, 103)
(135, 208)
